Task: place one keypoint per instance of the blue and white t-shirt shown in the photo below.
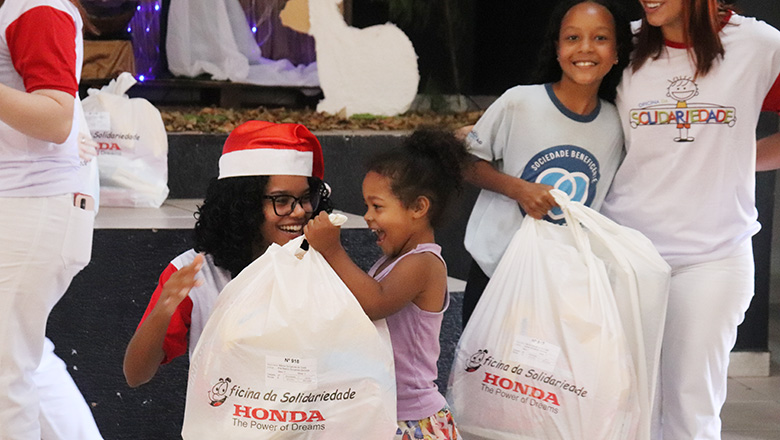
(528, 133)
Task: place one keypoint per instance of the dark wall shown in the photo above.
(498, 42)
(93, 322)
(507, 38)
(753, 333)
(767, 10)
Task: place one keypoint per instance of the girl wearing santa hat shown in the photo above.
(269, 186)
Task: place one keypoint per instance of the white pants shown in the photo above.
(706, 304)
(44, 242)
(64, 413)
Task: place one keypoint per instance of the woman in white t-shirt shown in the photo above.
(689, 105)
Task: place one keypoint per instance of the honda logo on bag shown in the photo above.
(274, 415)
(521, 388)
(108, 146)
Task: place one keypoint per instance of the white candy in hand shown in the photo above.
(337, 219)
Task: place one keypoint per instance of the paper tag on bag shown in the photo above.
(98, 121)
(290, 371)
(535, 353)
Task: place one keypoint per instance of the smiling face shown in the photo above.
(682, 89)
(281, 229)
(587, 46)
(387, 216)
(666, 14)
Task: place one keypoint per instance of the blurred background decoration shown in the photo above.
(127, 38)
(465, 47)
(277, 41)
(110, 17)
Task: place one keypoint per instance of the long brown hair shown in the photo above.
(702, 22)
(88, 25)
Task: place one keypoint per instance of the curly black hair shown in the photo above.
(548, 68)
(429, 163)
(228, 222)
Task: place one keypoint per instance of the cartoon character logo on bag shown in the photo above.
(475, 361)
(679, 112)
(218, 393)
(571, 169)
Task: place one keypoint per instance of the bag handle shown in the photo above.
(302, 245)
(117, 86)
(591, 219)
(572, 222)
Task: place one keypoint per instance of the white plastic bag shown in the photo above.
(133, 146)
(544, 356)
(640, 280)
(289, 353)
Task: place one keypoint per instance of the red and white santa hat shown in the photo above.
(260, 148)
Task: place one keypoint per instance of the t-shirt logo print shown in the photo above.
(676, 109)
(570, 169)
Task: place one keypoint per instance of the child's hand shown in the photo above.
(535, 198)
(321, 234)
(179, 285)
(463, 132)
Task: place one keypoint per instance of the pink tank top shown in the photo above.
(415, 336)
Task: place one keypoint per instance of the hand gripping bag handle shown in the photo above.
(573, 223)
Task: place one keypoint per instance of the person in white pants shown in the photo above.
(45, 224)
(64, 413)
(689, 104)
(707, 302)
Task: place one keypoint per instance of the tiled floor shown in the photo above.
(752, 410)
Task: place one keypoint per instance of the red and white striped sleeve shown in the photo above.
(772, 100)
(176, 340)
(42, 44)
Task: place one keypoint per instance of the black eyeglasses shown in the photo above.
(284, 204)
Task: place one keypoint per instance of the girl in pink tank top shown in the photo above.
(406, 191)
